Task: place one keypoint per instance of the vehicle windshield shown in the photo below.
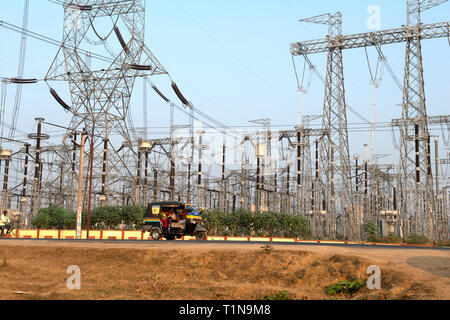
(195, 211)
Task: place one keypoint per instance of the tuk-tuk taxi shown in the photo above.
(173, 219)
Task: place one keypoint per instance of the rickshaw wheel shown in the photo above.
(200, 235)
(156, 234)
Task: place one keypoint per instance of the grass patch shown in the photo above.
(300, 274)
(346, 287)
(282, 295)
(315, 263)
(267, 249)
(443, 243)
(416, 239)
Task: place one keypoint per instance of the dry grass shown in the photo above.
(40, 273)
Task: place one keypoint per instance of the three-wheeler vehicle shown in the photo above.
(181, 219)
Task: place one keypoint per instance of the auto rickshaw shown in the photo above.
(183, 219)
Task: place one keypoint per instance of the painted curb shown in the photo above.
(141, 236)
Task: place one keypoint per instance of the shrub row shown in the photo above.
(373, 234)
(247, 223)
(102, 218)
(239, 223)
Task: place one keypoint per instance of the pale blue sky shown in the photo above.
(232, 60)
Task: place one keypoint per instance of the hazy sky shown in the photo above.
(232, 60)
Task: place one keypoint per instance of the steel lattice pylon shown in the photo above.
(415, 171)
(100, 94)
(334, 123)
(417, 209)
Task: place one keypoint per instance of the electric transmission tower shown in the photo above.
(101, 91)
(334, 123)
(417, 199)
(418, 206)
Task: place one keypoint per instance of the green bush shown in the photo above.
(282, 295)
(262, 224)
(443, 243)
(346, 287)
(131, 216)
(54, 217)
(416, 239)
(390, 238)
(371, 231)
(101, 218)
(114, 217)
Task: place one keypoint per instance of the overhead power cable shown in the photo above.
(23, 46)
(49, 40)
(54, 42)
(317, 73)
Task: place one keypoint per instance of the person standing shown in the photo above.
(5, 223)
(164, 219)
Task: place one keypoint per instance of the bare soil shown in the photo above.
(37, 270)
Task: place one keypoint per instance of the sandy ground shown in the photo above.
(193, 271)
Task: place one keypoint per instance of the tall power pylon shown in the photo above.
(100, 94)
(417, 207)
(416, 170)
(334, 122)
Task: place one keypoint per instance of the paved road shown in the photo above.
(221, 244)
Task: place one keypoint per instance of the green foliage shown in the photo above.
(416, 239)
(346, 287)
(315, 263)
(390, 238)
(340, 237)
(371, 231)
(117, 217)
(267, 249)
(282, 295)
(443, 243)
(101, 218)
(261, 224)
(54, 217)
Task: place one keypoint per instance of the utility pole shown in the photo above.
(224, 189)
(138, 176)
(438, 222)
(331, 212)
(299, 173)
(367, 211)
(146, 178)
(103, 198)
(36, 196)
(91, 165)
(23, 199)
(258, 179)
(242, 200)
(5, 179)
(199, 175)
(155, 185)
(288, 178)
(80, 185)
(274, 201)
(74, 158)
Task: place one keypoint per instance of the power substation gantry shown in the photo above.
(416, 185)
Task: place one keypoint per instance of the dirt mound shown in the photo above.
(40, 273)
